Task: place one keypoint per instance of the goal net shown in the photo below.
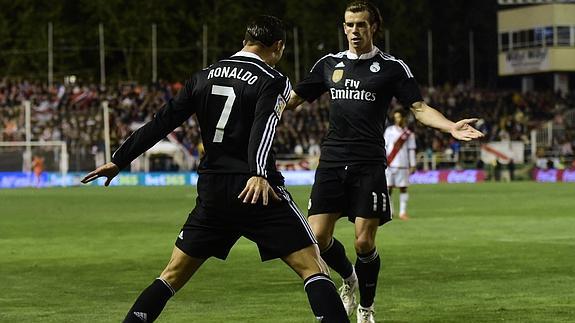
(34, 156)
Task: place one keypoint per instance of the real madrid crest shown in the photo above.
(337, 75)
(374, 67)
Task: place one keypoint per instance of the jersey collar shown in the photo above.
(369, 55)
(248, 54)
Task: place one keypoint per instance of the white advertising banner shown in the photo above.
(524, 61)
(504, 151)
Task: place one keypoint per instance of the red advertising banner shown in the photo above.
(554, 175)
(447, 176)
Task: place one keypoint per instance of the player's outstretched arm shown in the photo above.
(169, 117)
(460, 130)
(255, 187)
(109, 170)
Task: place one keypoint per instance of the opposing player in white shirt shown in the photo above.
(400, 149)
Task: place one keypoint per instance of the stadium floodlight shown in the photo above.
(70, 79)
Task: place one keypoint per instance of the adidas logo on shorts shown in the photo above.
(142, 316)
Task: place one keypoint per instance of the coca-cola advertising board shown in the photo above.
(554, 175)
(447, 176)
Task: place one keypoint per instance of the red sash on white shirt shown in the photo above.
(397, 145)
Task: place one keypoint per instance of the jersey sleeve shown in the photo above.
(313, 85)
(411, 142)
(411, 150)
(387, 139)
(269, 108)
(406, 89)
(171, 115)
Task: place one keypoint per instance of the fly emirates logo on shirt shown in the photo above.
(351, 92)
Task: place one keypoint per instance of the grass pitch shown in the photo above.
(471, 253)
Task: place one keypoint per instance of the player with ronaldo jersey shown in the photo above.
(238, 102)
(350, 178)
(400, 149)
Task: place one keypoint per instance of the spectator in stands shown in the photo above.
(566, 148)
(497, 170)
(511, 169)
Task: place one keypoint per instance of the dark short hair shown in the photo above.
(362, 5)
(265, 30)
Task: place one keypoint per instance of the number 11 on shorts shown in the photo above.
(383, 201)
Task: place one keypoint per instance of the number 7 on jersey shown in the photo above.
(230, 95)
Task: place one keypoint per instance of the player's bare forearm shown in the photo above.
(431, 117)
(294, 101)
(460, 130)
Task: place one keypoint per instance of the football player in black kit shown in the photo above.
(238, 102)
(350, 178)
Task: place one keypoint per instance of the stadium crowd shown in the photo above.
(73, 113)
(503, 115)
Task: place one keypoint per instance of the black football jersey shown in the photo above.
(360, 91)
(238, 102)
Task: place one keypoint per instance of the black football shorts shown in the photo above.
(219, 219)
(355, 191)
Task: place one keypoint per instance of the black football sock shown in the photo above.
(334, 256)
(324, 300)
(150, 303)
(367, 269)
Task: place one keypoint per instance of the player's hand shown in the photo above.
(462, 130)
(412, 170)
(109, 170)
(256, 187)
